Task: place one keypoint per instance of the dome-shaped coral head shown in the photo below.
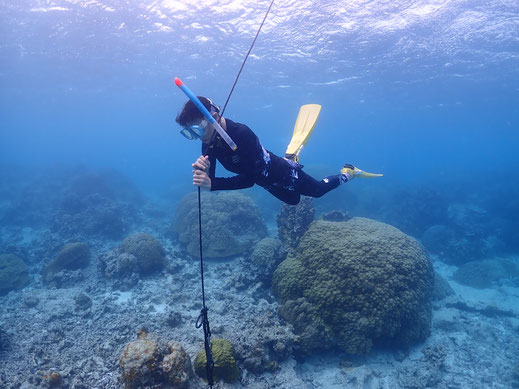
(354, 285)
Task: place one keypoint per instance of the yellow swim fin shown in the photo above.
(305, 124)
(352, 172)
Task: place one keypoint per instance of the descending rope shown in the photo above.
(245, 60)
(203, 320)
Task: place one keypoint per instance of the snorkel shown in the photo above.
(203, 110)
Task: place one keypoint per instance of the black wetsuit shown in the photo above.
(255, 165)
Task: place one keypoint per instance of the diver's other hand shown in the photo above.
(201, 179)
(202, 163)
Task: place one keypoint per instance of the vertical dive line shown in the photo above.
(245, 60)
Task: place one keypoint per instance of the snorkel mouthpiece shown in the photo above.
(203, 110)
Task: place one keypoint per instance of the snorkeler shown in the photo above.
(252, 163)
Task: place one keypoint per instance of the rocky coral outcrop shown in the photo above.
(266, 255)
(64, 269)
(356, 284)
(153, 362)
(294, 220)
(231, 221)
(149, 252)
(14, 273)
(72, 256)
(139, 254)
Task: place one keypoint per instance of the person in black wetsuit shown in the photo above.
(251, 162)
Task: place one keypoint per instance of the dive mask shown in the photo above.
(194, 131)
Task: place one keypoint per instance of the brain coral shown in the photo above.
(356, 284)
(231, 223)
(147, 250)
(224, 357)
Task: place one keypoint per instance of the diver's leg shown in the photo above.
(309, 186)
(287, 196)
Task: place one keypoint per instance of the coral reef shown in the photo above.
(94, 216)
(82, 302)
(359, 283)
(294, 220)
(96, 204)
(336, 216)
(313, 334)
(231, 224)
(151, 361)
(75, 202)
(139, 254)
(62, 270)
(33, 203)
(14, 273)
(148, 251)
(71, 257)
(4, 340)
(429, 372)
(224, 357)
(515, 376)
(470, 235)
(484, 274)
(413, 211)
(266, 255)
(501, 201)
(442, 289)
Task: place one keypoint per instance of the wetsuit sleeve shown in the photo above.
(247, 143)
(240, 181)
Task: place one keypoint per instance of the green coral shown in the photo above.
(224, 357)
(148, 251)
(14, 273)
(231, 224)
(72, 256)
(356, 284)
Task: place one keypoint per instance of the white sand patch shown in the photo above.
(123, 297)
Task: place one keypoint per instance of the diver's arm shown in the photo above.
(240, 181)
(246, 141)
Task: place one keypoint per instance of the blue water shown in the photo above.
(420, 92)
(426, 93)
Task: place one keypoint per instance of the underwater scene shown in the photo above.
(346, 215)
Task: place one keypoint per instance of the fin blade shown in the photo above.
(369, 175)
(305, 124)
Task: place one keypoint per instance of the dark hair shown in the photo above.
(190, 112)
